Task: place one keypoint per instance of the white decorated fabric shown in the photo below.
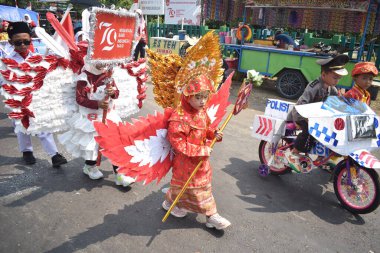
(127, 103)
(79, 140)
(52, 105)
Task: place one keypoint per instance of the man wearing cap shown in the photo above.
(332, 70)
(19, 35)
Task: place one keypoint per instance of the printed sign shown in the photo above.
(112, 35)
(165, 46)
(278, 108)
(177, 10)
(152, 7)
(319, 149)
(268, 128)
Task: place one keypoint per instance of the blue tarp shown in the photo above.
(14, 14)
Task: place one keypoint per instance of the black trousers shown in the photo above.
(92, 163)
(304, 140)
(140, 48)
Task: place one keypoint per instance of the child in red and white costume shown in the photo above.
(190, 135)
(363, 74)
(95, 92)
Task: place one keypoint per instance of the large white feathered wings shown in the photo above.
(40, 92)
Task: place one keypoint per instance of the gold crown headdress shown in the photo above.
(163, 69)
(170, 73)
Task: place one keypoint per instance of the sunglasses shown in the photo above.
(20, 42)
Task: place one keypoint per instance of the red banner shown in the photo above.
(113, 36)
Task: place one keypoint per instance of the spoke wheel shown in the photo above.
(267, 151)
(361, 195)
(290, 84)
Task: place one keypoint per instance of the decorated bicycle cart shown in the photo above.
(345, 129)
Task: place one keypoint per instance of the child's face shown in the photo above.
(331, 78)
(21, 41)
(198, 101)
(364, 81)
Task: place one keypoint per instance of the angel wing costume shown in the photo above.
(148, 147)
(41, 94)
(141, 148)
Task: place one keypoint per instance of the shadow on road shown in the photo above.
(6, 132)
(135, 220)
(3, 115)
(41, 179)
(288, 193)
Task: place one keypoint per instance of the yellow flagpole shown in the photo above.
(194, 172)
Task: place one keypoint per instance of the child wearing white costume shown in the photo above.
(92, 94)
(19, 35)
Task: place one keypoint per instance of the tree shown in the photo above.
(118, 3)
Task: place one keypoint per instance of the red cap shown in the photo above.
(364, 68)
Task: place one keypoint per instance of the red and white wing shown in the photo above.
(140, 148)
(218, 103)
(39, 92)
(130, 79)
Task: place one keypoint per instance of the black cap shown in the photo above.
(18, 27)
(335, 64)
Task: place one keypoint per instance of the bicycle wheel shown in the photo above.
(361, 195)
(269, 151)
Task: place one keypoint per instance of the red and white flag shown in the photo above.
(67, 23)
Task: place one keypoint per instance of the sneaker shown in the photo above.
(176, 211)
(123, 180)
(293, 161)
(57, 160)
(334, 160)
(217, 221)
(28, 157)
(92, 171)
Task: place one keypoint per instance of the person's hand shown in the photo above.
(110, 91)
(103, 104)
(218, 135)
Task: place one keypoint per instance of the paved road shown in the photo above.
(48, 210)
